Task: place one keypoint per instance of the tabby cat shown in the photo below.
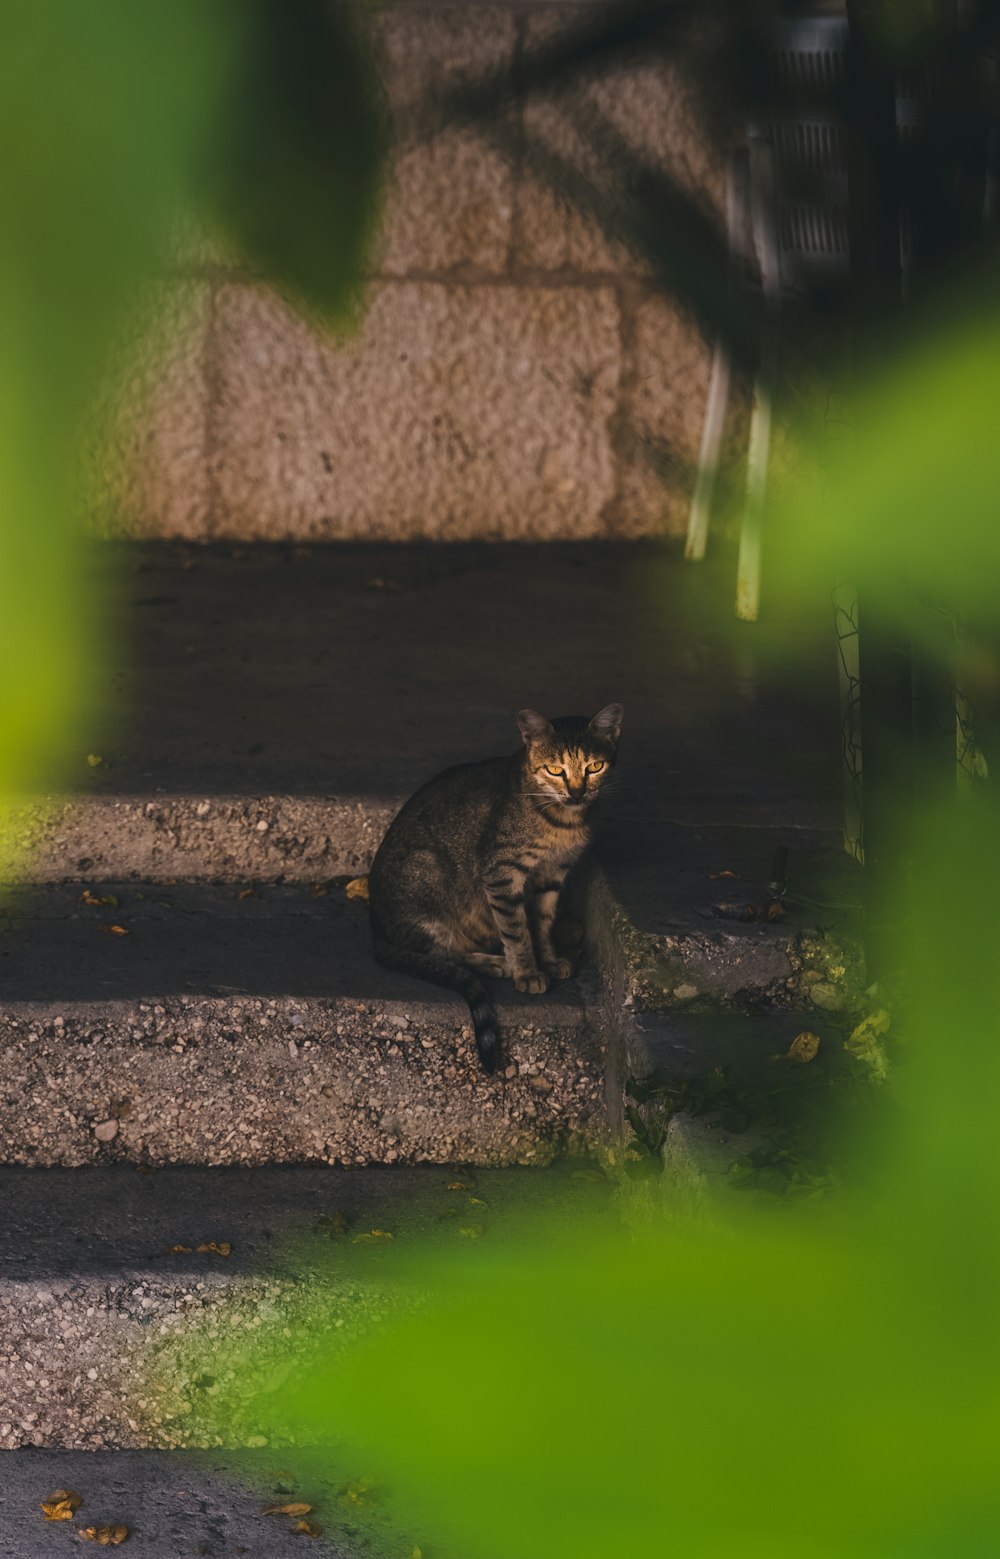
(467, 879)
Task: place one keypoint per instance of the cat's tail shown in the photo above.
(454, 976)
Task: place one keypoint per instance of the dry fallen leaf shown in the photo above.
(113, 930)
(307, 1529)
(86, 897)
(106, 1537)
(723, 875)
(215, 1248)
(178, 1250)
(61, 1506)
(803, 1047)
(94, 759)
(357, 888)
(247, 893)
(376, 1237)
(297, 1508)
(460, 1185)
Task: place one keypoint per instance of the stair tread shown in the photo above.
(172, 1502)
(205, 940)
(58, 1225)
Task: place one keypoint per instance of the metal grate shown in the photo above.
(809, 149)
(808, 146)
(813, 232)
(817, 69)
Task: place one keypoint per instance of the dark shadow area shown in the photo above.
(277, 1218)
(205, 940)
(293, 669)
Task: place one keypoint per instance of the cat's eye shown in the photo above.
(551, 768)
(595, 768)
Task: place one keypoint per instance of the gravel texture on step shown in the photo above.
(81, 1361)
(192, 1025)
(239, 1080)
(204, 838)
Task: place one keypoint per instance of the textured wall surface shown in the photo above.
(514, 375)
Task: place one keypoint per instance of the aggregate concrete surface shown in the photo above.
(228, 1030)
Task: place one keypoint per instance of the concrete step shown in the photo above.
(175, 1505)
(87, 1303)
(229, 1030)
(661, 855)
(210, 836)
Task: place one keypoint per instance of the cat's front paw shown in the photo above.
(559, 969)
(533, 982)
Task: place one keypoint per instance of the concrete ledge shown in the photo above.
(192, 838)
(219, 1030)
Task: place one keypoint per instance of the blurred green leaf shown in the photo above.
(294, 174)
(116, 118)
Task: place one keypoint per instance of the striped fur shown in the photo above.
(467, 880)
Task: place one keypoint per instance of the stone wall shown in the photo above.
(514, 374)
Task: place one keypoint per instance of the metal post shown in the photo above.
(718, 387)
(762, 205)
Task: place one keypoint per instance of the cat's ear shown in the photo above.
(608, 722)
(532, 725)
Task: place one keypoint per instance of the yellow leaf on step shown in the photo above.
(357, 888)
(61, 1506)
(803, 1047)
